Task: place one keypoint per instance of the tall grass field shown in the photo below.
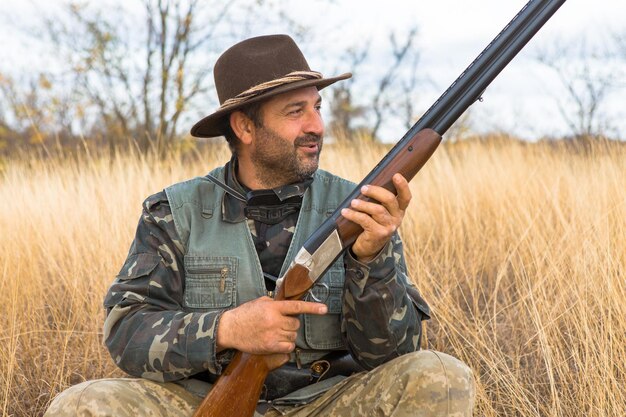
(520, 249)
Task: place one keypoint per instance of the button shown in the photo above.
(207, 213)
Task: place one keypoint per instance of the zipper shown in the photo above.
(223, 276)
(298, 360)
(215, 270)
(223, 273)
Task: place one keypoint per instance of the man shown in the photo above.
(198, 280)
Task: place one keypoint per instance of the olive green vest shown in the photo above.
(222, 269)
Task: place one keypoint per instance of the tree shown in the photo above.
(383, 100)
(388, 91)
(589, 74)
(139, 89)
(30, 113)
(342, 107)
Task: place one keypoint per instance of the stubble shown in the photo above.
(278, 161)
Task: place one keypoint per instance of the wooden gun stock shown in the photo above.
(237, 390)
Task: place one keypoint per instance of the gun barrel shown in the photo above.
(456, 99)
(472, 82)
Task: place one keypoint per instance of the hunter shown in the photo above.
(199, 277)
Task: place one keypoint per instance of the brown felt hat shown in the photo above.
(254, 70)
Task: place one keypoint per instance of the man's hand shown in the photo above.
(264, 326)
(378, 220)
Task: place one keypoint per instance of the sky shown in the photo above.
(451, 33)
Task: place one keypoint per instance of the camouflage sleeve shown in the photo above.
(146, 329)
(382, 310)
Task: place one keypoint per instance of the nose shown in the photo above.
(314, 123)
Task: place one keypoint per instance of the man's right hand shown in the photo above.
(264, 326)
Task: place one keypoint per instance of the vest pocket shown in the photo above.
(210, 282)
(324, 332)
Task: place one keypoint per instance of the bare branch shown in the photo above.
(381, 103)
(587, 77)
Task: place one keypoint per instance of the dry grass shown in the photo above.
(520, 249)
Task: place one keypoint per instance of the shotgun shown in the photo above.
(237, 390)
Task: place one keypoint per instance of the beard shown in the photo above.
(278, 161)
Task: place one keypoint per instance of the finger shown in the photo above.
(393, 202)
(290, 324)
(404, 192)
(368, 223)
(377, 211)
(292, 308)
(380, 194)
(290, 336)
(284, 347)
(384, 197)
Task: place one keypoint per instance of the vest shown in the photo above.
(222, 269)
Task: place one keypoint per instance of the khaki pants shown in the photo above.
(423, 383)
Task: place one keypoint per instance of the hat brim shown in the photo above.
(213, 125)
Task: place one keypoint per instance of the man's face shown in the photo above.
(287, 146)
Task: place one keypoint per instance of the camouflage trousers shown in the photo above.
(423, 383)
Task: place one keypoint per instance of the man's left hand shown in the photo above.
(379, 219)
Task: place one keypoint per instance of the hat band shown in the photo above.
(268, 85)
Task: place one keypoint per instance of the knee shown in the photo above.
(124, 397)
(439, 382)
(97, 398)
(439, 366)
(67, 402)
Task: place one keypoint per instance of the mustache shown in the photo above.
(310, 139)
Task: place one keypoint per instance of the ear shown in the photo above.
(242, 126)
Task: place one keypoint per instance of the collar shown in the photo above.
(233, 209)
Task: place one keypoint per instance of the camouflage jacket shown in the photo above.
(150, 333)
